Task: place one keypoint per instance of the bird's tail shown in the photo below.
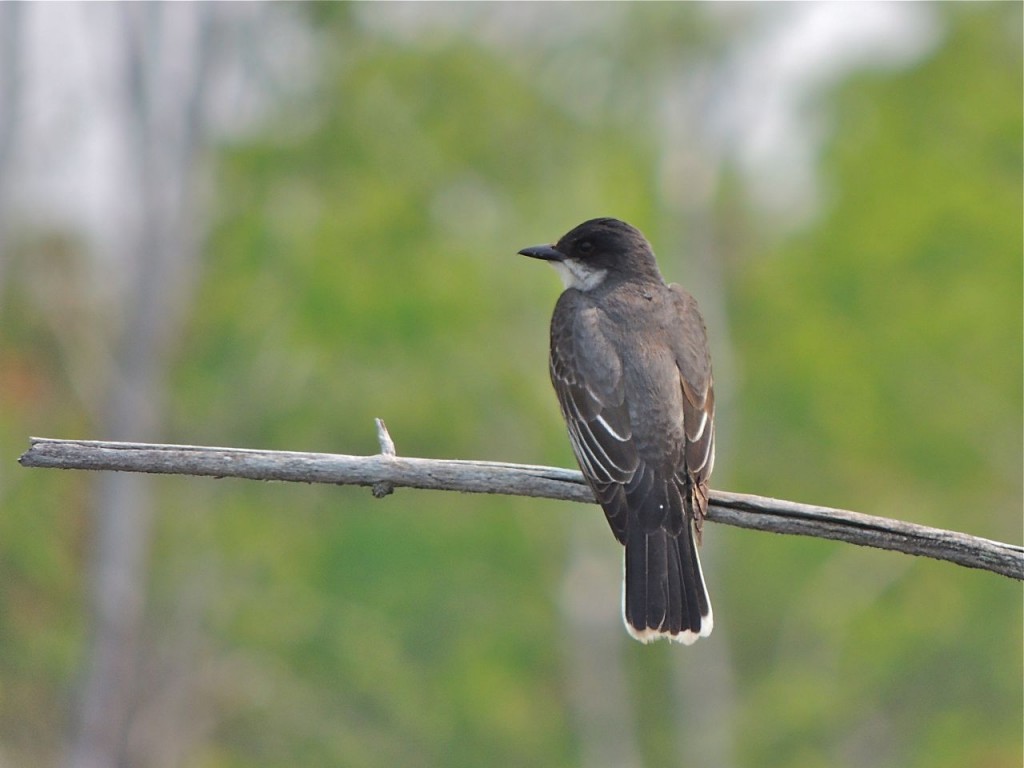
(664, 593)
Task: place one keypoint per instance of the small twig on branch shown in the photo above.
(387, 448)
(386, 471)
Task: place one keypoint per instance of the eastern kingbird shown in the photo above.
(630, 365)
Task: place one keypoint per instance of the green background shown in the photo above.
(361, 263)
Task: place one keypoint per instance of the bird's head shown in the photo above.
(596, 250)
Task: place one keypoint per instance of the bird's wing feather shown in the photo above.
(592, 398)
(694, 362)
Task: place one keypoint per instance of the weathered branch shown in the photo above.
(385, 471)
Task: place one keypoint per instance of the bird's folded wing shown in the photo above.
(694, 363)
(592, 398)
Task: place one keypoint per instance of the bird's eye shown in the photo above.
(584, 246)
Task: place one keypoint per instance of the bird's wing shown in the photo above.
(592, 397)
(690, 346)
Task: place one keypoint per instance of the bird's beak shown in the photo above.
(546, 252)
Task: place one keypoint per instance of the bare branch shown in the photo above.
(742, 510)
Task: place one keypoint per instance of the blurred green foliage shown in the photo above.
(363, 264)
(881, 357)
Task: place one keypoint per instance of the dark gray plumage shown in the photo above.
(630, 365)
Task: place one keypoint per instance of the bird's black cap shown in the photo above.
(604, 244)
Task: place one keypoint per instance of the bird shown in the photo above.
(630, 366)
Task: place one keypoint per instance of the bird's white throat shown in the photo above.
(576, 274)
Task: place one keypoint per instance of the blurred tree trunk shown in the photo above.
(166, 53)
(692, 166)
(599, 692)
(10, 109)
(689, 166)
